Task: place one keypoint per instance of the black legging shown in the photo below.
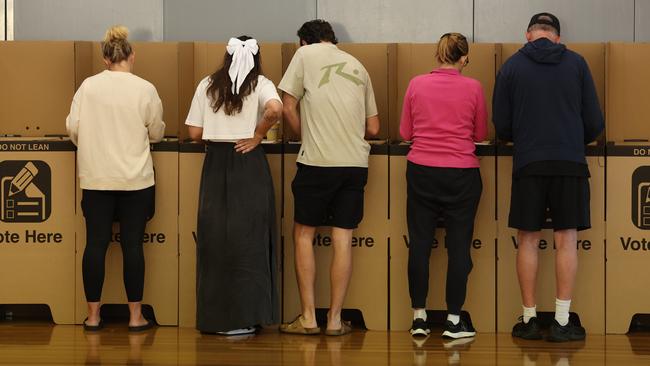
(453, 194)
(133, 209)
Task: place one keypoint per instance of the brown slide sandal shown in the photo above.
(295, 327)
(346, 328)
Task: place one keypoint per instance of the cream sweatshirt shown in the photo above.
(113, 118)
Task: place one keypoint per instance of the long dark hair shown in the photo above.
(220, 87)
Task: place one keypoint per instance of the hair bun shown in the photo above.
(116, 33)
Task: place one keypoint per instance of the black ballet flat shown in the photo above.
(93, 328)
(141, 328)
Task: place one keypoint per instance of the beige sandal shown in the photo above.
(296, 327)
(346, 328)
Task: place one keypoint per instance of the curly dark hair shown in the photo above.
(317, 30)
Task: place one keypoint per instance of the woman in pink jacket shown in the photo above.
(444, 114)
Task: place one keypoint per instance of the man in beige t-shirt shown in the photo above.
(337, 110)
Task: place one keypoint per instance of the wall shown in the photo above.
(391, 21)
(642, 21)
(87, 19)
(3, 4)
(209, 20)
(354, 21)
(581, 20)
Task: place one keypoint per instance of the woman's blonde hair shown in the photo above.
(116, 47)
(451, 47)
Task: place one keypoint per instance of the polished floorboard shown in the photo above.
(45, 344)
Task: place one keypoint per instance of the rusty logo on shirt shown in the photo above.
(339, 71)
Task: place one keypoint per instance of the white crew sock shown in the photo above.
(454, 319)
(529, 313)
(420, 314)
(562, 311)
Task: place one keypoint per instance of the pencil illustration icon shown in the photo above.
(23, 178)
(25, 191)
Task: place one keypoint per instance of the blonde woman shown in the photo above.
(113, 118)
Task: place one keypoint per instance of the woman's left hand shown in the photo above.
(247, 145)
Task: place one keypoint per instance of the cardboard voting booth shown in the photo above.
(37, 236)
(169, 66)
(368, 289)
(160, 246)
(380, 60)
(419, 58)
(589, 293)
(190, 166)
(628, 165)
(37, 83)
(628, 242)
(481, 291)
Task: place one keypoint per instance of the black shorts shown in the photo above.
(329, 196)
(562, 200)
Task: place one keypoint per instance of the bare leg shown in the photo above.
(340, 273)
(303, 237)
(527, 265)
(566, 262)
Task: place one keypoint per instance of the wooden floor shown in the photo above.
(44, 344)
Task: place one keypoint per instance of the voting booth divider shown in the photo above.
(37, 240)
(628, 92)
(160, 246)
(589, 292)
(481, 291)
(37, 83)
(368, 289)
(190, 166)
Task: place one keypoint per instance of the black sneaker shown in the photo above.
(569, 332)
(420, 328)
(461, 330)
(528, 330)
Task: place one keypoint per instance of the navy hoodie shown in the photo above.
(545, 102)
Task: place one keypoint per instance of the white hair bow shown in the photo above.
(242, 60)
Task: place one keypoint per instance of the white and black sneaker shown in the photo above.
(420, 328)
(461, 330)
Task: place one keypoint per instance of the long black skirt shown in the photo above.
(236, 241)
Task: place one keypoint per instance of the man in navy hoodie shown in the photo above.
(545, 103)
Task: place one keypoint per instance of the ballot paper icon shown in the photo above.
(26, 191)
